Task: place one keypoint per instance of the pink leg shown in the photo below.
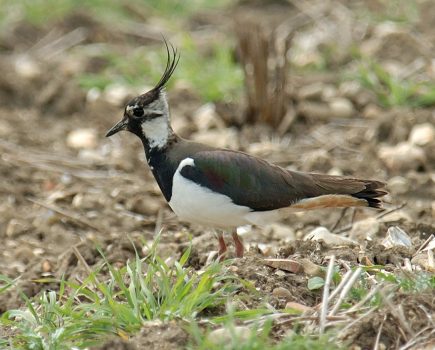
(222, 246)
(238, 245)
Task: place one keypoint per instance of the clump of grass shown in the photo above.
(80, 314)
(256, 337)
(41, 12)
(214, 77)
(395, 91)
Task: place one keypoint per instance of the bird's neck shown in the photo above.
(156, 133)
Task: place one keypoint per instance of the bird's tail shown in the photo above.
(339, 191)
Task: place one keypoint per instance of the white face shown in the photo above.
(156, 131)
(155, 125)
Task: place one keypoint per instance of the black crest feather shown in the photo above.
(171, 64)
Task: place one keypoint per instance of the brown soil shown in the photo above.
(54, 197)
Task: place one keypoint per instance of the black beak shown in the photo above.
(121, 125)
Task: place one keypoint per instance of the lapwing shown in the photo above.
(225, 189)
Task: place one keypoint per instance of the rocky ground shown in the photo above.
(65, 186)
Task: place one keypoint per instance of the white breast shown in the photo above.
(197, 204)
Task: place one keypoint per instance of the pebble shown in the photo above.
(27, 67)
(226, 335)
(341, 107)
(281, 293)
(310, 268)
(365, 229)
(311, 91)
(296, 306)
(15, 227)
(322, 233)
(82, 138)
(396, 237)
(280, 231)
(396, 216)
(205, 118)
(349, 89)
(225, 138)
(425, 259)
(117, 94)
(266, 249)
(372, 111)
(398, 185)
(143, 205)
(402, 157)
(284, 264)
(314, 110)
(422, 134)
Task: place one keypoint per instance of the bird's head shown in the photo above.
(147, 115)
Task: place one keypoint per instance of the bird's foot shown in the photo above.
(222, 248)
(238, 244)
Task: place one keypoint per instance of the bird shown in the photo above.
(224, 189)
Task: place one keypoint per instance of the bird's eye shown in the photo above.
(138, 112)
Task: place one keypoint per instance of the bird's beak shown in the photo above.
(121, 125)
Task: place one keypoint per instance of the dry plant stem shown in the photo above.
(324, 309)
(346, 290)
(368, 297)
(342, 214)
(378, 336)
(425, 243)
(397, 313)
(84, 263)
(350, 325)
(344, 280)
(420, 339)
(66, 213)
(392, 210)
(265, 65)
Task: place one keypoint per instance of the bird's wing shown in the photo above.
(247, 180)
(261, 186)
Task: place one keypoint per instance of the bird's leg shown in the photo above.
(238, 244)
(222, 246)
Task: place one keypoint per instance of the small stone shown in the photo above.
(323, 234)
(280, 231)
(365, 229)
(116, 94)
(46, 266)
(220, 138)
(311, 91)
(398, 185)
(329, 92)
(341, 107)
(87, 201)
(396, 237)
(349, 89)
(143, 205)
(82, 138)
(15, 227)
(266, 249)
(425, 259)
(311, 269)
(314, 110)
(402, 157)
(24, 254)
(422, 134)
(396, 216)
(296, 306)
(206, 118)
(284, 264)
(5, 128)
(281, 293)
(372, 111)
(27, 67)
(227, 335)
